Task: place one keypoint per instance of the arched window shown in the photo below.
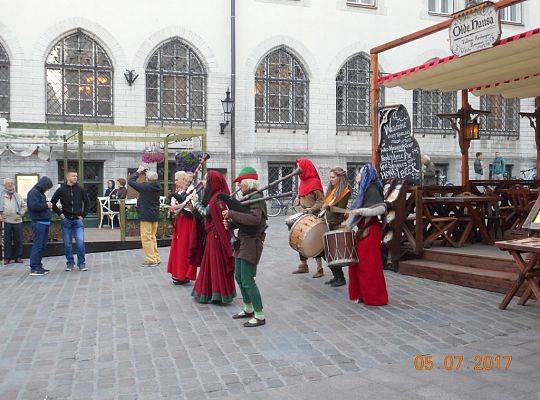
(79, 80)
(353, 94)
(281, 92)
(426, 105)
(175, 86)
(504, 117)
(4, 83)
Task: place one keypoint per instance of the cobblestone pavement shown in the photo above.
(120, 331)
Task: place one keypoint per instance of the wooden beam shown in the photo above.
(144, 129)
(464, 143)
(374, 101)
(430, 30)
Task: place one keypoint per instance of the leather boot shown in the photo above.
(320, 271)
(335, 276)
(340, 278)
(302, 268)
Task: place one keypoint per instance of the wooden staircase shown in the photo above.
(476, 271)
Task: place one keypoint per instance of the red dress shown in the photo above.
(215, 282)
(178, 265)
(366, 279)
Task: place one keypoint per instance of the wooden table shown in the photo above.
(473, 218)
(529, 271)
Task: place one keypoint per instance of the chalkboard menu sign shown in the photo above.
(399, 151)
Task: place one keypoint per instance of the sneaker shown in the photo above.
(6, 261)
(69, 267)
(37, 272)
(83, 268)
(45, 271)
(19, 261)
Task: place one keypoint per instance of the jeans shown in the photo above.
(149, 241)
(13, 241)
(40, 233)
(73, 228)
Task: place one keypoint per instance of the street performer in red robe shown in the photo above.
(366, 279)
(310, 195)
(215, 281)
(183, 225)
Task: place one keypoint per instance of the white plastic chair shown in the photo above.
(105, 207)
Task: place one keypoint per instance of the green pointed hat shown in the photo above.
(247, 173)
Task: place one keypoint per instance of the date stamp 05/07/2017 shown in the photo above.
(458, 362)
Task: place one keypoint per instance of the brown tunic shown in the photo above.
(313, 200)
(251, 245)
(334, 218)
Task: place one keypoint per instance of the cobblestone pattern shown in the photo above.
(120, 331)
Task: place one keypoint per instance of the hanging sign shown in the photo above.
(475, 29)
(399, 150)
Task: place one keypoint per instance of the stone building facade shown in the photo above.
(321, 49)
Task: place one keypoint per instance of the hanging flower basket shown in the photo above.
(187, 160)
(151, 155)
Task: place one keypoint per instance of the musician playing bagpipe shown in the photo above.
(215, 281)
(310, 194)
(179, 266)
(251, 224)
(337, 197)
(366, 279)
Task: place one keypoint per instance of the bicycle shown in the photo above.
(276, 206)
(528, 174)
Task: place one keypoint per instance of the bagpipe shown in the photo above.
(194, 190)
(240, 204)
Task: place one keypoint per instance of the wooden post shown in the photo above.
(464, 143)
(166, 166)
(537, 135)
(122, 220)
(419, 212)
(80, 157)
(374, 101)
(65, 157)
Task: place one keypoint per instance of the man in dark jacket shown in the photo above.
(148, 209)
(75, 205)
(39, 210)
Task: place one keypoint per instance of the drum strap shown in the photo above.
(339, 210)
(363, 232)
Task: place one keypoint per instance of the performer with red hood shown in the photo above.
(310, 194)
(366, 279)
(215, 281)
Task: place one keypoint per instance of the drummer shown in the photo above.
(335, 204)
(310, 195)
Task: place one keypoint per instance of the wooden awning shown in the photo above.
(510, 68)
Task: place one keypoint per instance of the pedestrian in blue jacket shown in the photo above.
(39, 210)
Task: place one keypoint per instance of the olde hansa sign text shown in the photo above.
(475, 29)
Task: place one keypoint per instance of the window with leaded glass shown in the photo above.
(4, 83)
(426, 105)
(277, 170)
(281, 91)
(175, 86)
(79, 77)
(504, 117)
(353, 94)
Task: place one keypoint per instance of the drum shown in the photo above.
(340, 248)
(306, 235)
(292, 219)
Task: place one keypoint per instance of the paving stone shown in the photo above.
(122, 332)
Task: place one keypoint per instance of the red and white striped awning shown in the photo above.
(510, 68)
